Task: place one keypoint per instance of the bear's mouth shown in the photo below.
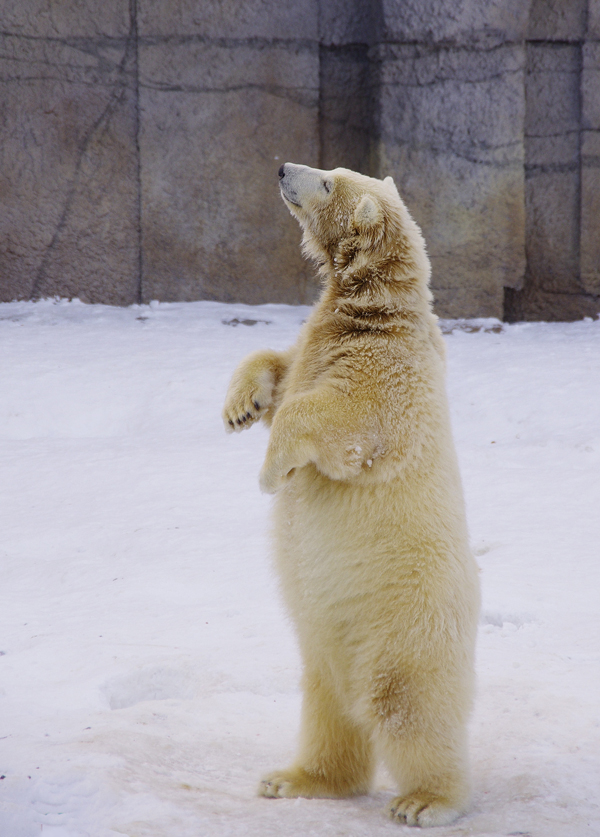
(292, 197)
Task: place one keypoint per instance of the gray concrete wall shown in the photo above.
(141, 141)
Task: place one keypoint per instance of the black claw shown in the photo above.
(256, 405)
(238, 421)
(248, 415)
(231, 424)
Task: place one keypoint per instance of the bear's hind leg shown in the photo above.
(424, 745)
(335, 757)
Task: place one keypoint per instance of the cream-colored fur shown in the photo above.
(370, 535)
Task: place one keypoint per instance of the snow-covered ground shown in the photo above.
(148, 673)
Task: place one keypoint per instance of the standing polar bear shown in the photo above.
(370, 534)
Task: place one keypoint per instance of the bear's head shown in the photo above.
(355, 227)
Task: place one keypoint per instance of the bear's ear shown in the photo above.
(368, 213)
(389, 182)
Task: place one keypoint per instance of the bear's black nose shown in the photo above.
(281, 172)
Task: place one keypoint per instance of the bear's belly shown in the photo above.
(357, 558)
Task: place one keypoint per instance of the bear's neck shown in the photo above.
(375, 307)
(374, 289)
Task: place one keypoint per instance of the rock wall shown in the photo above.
(452, 111)
(562, 163)
(142, 138)
(69, 164)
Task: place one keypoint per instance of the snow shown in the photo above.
(148, 673)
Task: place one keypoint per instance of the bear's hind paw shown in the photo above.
(286, 784)
(423, 809)
(274, 789)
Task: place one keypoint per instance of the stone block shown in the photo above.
(552, 166)
(345, 22)
(70, 220)
(536, 304)
(557, 20)
(552, 207)
(67, 18)
(590, 212)
(590, 86)
(552, 89)
(593, 19)
(347, 108)
(451, 135)
(562, 182)
(467, 22)
(219, 120)
(590, 169)
(349, 93)
(230, 19)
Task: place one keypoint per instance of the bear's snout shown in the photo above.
(288, 183)
(300, 183)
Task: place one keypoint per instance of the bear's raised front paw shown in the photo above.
(242, 412)
(423, 809)
(250, 392)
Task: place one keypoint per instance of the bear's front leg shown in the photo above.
(252, 389)
(292, 443)
(324, 427)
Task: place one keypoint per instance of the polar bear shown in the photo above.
(370, 534)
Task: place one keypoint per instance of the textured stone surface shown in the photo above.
(483, 22)
(349, 84)
(552, 166)
(451, 135)
(590, 169)
(67, 18)
(69, 222)
(344, 22)
(557, 20)
(347, 108)
(231, 19)
(142, 138)
(180, 204)
(219, 121)
(593, 19)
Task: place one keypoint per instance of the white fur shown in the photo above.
(370, 535)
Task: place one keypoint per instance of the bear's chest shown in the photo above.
(314, 361)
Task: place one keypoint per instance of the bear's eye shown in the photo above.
(327, 184)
